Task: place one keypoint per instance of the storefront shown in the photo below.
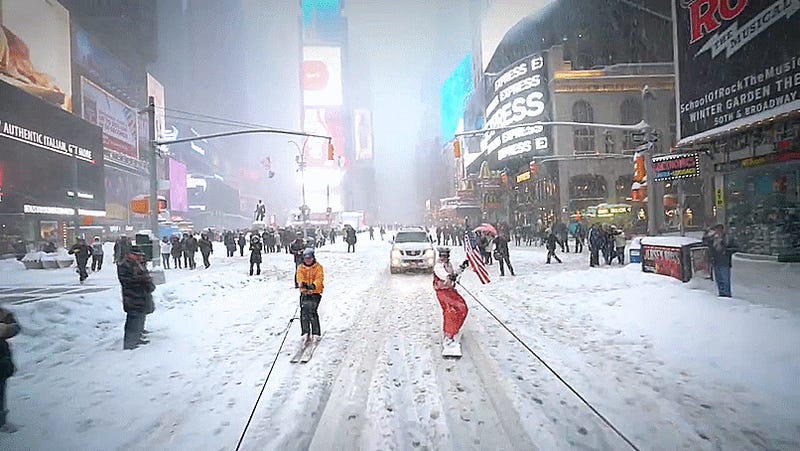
(761, 199)
(51, 172)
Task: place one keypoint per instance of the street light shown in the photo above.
(301, 166)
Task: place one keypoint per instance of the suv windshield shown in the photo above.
(411, 237)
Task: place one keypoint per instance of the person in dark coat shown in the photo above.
(121, 248)
(296, 248)
(230, 244)
(332, 236)
(242, 241)
(8, 328)
(191, 248)
(137, 296)
(552, 241)
(502, 253)
(255, 254)
(350, 237)
(82, 252)
(595, 238)
(206, 249)
(721, 247)
(97, 254)
(176, 251)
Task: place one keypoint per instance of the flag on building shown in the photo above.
(474, 257)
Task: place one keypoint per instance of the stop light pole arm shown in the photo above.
(277, 131)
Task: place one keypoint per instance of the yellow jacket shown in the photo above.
(312, 275)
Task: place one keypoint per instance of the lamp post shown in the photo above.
(301, 166)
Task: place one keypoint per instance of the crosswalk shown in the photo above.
(25, 295)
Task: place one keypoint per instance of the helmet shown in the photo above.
(309, 252)
(444, 251)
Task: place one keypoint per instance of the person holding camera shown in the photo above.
(310, 278)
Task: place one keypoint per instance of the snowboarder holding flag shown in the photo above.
(454, 308)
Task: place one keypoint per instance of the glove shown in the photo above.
(305, 286)
(464, 264)
(452, 277)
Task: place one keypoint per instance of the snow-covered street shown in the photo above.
(670, 365)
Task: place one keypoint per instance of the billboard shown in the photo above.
(519, 96)
(322, 76)
(35, 49)
(736, 62)
(156, 90)
(100, 65)
(362, 134)
(118, 121)
(455, 93)
(327, 122)
(121, 187)
(49, 159)
(177, 186)
(673, 167)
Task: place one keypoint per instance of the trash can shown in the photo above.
(145, 243)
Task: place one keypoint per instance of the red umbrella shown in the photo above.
(487, 228)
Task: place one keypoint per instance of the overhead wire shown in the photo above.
(558, 376)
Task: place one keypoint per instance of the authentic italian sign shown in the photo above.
(519, 96)
(738, 62)
(672, 167)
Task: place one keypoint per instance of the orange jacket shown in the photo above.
(311, 275)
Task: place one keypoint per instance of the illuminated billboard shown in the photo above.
(35, 49)
(322, 76)
(178, 200)
(118, 121)
(454, 96)
(326, 122)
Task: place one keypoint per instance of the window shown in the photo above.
(588, 186)
(630, 112)
(584, 136)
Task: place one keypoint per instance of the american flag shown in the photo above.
(474, 257)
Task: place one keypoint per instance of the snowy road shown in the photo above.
(669, 364)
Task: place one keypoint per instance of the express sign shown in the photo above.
(737, 62)
(519, 97)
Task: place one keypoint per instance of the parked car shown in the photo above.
(411, 250)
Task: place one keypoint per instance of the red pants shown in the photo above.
(454, 311)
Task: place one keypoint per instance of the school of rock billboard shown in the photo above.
(738, 62)
(519, 96)
(35, 49)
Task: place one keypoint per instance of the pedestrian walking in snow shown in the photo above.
(8, 328)
(350, 237)
(278, 241)
(206, 249)
(166, 251)
(190, 248)
(255, 254)
(502, 253)
(310, 277)
(371, 233)
(82, 252)
(97, 254)
(230, 244)
(721, 247)
(137, 296)
(242, 241)
(176, 252)
(552, 241)
(383, 232)
(619, 243)
(454, 308)
(595, 239)
(296, 248)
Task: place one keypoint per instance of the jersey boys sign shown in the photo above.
(738, 62)
(519, 96)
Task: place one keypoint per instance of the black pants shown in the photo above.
(191, 264)
(206, 263)
(231, 252)
(176, 259)
(309, 318)
(186, 260)
(97, 262)
(621, 255)
(165, 260)
(241, 251)
(504, 258)
(552, 253)
(258, 268)
(578, 245)
(134, 325)
(82, 269)
(594, 257)
(349, 245)
(3, 410)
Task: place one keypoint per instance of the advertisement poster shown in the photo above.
(673, 167)
(362, 134)
(177, 186)
(46, 154)
(121, 187)
(327, 122)
(737, 62)
(100, 65)
(322, 76)
(156, 90)
(519, 96)
(35, 49)
(662, 260)
(118, 121)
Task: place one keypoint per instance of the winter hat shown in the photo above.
(308, 253)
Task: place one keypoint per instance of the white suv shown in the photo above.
(411, 249)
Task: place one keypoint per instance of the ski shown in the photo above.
(299, 353)
(309, 351)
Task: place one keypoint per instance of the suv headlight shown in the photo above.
(396, 253)
(430, 253)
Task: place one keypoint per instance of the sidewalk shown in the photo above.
(765, 281)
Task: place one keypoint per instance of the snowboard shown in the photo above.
(452, 351)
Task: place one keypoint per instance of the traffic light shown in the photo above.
(457, 148)
(331, 151)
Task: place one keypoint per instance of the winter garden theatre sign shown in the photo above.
(738, 62)
(519, 96)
